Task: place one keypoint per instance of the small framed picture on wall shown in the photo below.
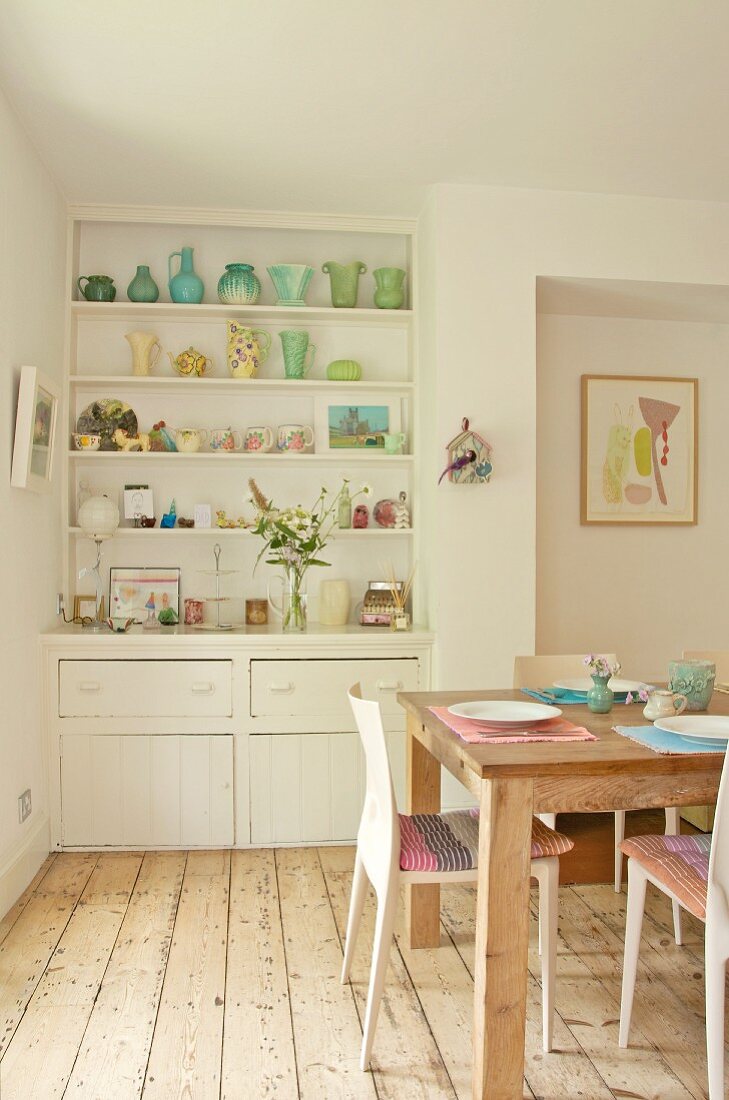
(35, 431)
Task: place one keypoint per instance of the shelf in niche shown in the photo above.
(392, 318)
(333, 458)
(249, 387)
(242, 532)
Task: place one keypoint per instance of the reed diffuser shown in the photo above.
(400, 593)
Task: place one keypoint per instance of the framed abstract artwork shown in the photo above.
(639, 450)
(145, 594)
(35, 431)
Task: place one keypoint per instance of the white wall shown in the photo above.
(490, 245)
(645, 593)
(32, 248)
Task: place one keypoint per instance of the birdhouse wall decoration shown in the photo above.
(469, 458)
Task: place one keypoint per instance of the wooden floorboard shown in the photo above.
(209, 975)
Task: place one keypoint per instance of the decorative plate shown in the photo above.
(504, 712)
(103, 417)
(707, 729)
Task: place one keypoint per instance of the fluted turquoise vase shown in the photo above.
(186, 286)
(143, 288)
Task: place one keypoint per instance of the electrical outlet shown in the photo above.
(25, 806)
(59, 603)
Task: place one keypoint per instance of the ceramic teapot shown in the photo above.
(664, 704)
(191, 362)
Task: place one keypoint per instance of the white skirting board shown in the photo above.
(21, 865)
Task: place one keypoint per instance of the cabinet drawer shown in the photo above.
(318, 688)
(141, 689)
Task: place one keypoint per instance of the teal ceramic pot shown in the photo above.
(600, 697)
(345, 282)
(186, 286)
(344, 370)
(143, 288)
(239, 286)
(694, 679)
(389, 292)
(290, 282)
(99, 288)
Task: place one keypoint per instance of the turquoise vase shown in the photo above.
(600, 697)
(185, 286)
(389, 293)
(143, 288)
(238, 286)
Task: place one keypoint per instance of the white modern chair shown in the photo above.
(538, 672)
(698, 878)
(393, 849)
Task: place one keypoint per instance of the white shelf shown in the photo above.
(242, 532)
(328, 458)
(397, 318)
(249, 387)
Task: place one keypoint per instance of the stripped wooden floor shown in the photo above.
(216, 974)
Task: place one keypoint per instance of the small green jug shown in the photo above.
(99, 288)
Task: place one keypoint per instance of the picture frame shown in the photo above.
(84, 607)
(338, 418)
(36, 422)
(138, 502)
(144, 593)
(639, 450)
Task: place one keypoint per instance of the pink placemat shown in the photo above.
(479, 733)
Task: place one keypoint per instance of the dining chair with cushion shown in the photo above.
(539, 672)
(694, 872)
(395, 849)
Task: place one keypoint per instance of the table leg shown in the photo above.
(423, 797)
(502, 938)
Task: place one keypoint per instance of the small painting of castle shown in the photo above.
(358, 425)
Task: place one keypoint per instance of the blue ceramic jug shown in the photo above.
(185, 286)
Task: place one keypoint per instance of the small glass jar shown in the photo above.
(400, 620)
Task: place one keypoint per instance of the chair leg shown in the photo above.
(356, 908)
(633, 924)
(673, 828)
(619, 838)
(384, 928)
(546, 872)
(715, 967)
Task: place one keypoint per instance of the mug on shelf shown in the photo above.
(294, 437)
(694, 679)
(258, 438)
(225, 439)
(189, 440)
(394, 443)
(193, 612)
(664, 704)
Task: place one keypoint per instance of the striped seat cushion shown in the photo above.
(679, 862)
(449, 842)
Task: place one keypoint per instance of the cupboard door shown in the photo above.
(146, 791)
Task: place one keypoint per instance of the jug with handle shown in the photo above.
(146, 351)
(664, 704)
(298, 353)
(186, 285)
(247, 349)
(99, 288)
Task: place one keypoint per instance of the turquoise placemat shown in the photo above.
(557, 697)
(662, 741)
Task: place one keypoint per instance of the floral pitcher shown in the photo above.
(247, 349)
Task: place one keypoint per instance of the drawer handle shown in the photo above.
(281, 689)
(203, 689)
(89, 686)
(389, 685)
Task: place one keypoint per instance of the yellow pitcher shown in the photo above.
(247, 349)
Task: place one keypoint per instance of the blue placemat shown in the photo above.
(662, 741)
(557, 697)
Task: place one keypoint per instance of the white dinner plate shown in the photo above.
(620, 687)
(498, 712)
(702, 728)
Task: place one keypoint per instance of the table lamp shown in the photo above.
(98, 518)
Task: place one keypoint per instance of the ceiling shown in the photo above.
(346, 107)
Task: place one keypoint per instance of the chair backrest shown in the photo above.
(540, 672)
(720, 657)
(717, 901)
(378, 839)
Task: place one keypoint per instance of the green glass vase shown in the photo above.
(600, 697)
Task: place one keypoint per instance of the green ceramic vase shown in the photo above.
(239, 286)
(142, 288)
(389, 292)
(186, 286)
(345, 282)
(600, 697)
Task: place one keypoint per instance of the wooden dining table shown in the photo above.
(510, 782)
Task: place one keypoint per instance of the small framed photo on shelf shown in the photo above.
(345, 425)
(138, 502)
(35, 431)
(84, 607)
(143, 594)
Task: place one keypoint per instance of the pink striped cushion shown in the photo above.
(680, 862)
(449, 842)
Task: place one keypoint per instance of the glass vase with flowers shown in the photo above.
(600, 697)
(294, 538)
